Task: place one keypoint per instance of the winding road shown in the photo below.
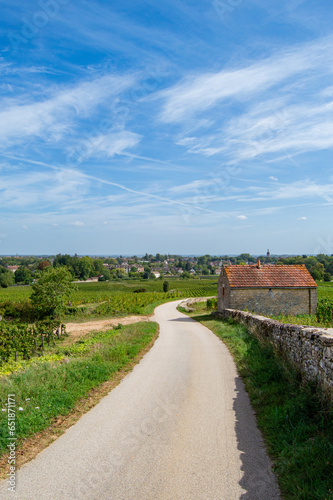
(178, 427)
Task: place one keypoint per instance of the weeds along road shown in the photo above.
(178, 427)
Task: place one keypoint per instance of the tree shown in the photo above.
(317, 271)
(6, 277)
(85, 268)
(51, 291)
(106, 273)
(43, 264)
(166, 286)
(23, 275)
(98, 266)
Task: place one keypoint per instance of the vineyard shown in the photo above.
(14, 301)
(27, 340)
(22, 341)
(105, 299)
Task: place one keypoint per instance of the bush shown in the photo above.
(166, 286)
(212, 304)
(18, 310)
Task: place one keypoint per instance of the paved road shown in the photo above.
(179, 427)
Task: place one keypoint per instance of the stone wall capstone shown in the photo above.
(309, 349)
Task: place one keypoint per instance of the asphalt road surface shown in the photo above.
(178, 427)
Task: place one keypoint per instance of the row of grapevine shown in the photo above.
(25, 340)
(325, 311)
(133, 303)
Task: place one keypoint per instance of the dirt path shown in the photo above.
(77, 330)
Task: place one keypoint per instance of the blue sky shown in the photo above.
(185, 127)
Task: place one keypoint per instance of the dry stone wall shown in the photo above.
(309, 349)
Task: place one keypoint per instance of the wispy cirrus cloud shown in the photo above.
(40, 189)
(50, 118)
(103, 145)
(267, 108)
(199, 93)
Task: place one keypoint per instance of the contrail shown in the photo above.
(120, 186)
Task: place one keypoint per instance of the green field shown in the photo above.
(111, 298)
(87, 293)
(117, 298)
(100, 291)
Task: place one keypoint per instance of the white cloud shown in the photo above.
(104, 145)
(199, 93)
(35, 188)
(241, 217)
(272, 178)
(51, 118)
(302, 218)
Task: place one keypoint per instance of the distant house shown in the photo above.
(267, 289)
(13, 268)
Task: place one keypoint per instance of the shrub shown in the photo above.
(212, 304)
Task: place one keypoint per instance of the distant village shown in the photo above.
(21, 269)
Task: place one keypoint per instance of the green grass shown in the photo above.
(295, 418)
(52, 389)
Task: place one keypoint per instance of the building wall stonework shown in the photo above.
(309, 349)
(272, 301)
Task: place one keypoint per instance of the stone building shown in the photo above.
(267, 289)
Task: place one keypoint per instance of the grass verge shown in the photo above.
(51, 393)
(294, 417)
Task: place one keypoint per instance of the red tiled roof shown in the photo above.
(269, 276)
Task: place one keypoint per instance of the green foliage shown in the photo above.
(212, 304)
(6, 277)
(51, 291)
(166, 286)
(324, 312)
(23, 275)
(26, 340)
(15, 339)
(17, 310)
(317, 271)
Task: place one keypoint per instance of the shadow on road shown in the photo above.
(258, 479)
(186, 319)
